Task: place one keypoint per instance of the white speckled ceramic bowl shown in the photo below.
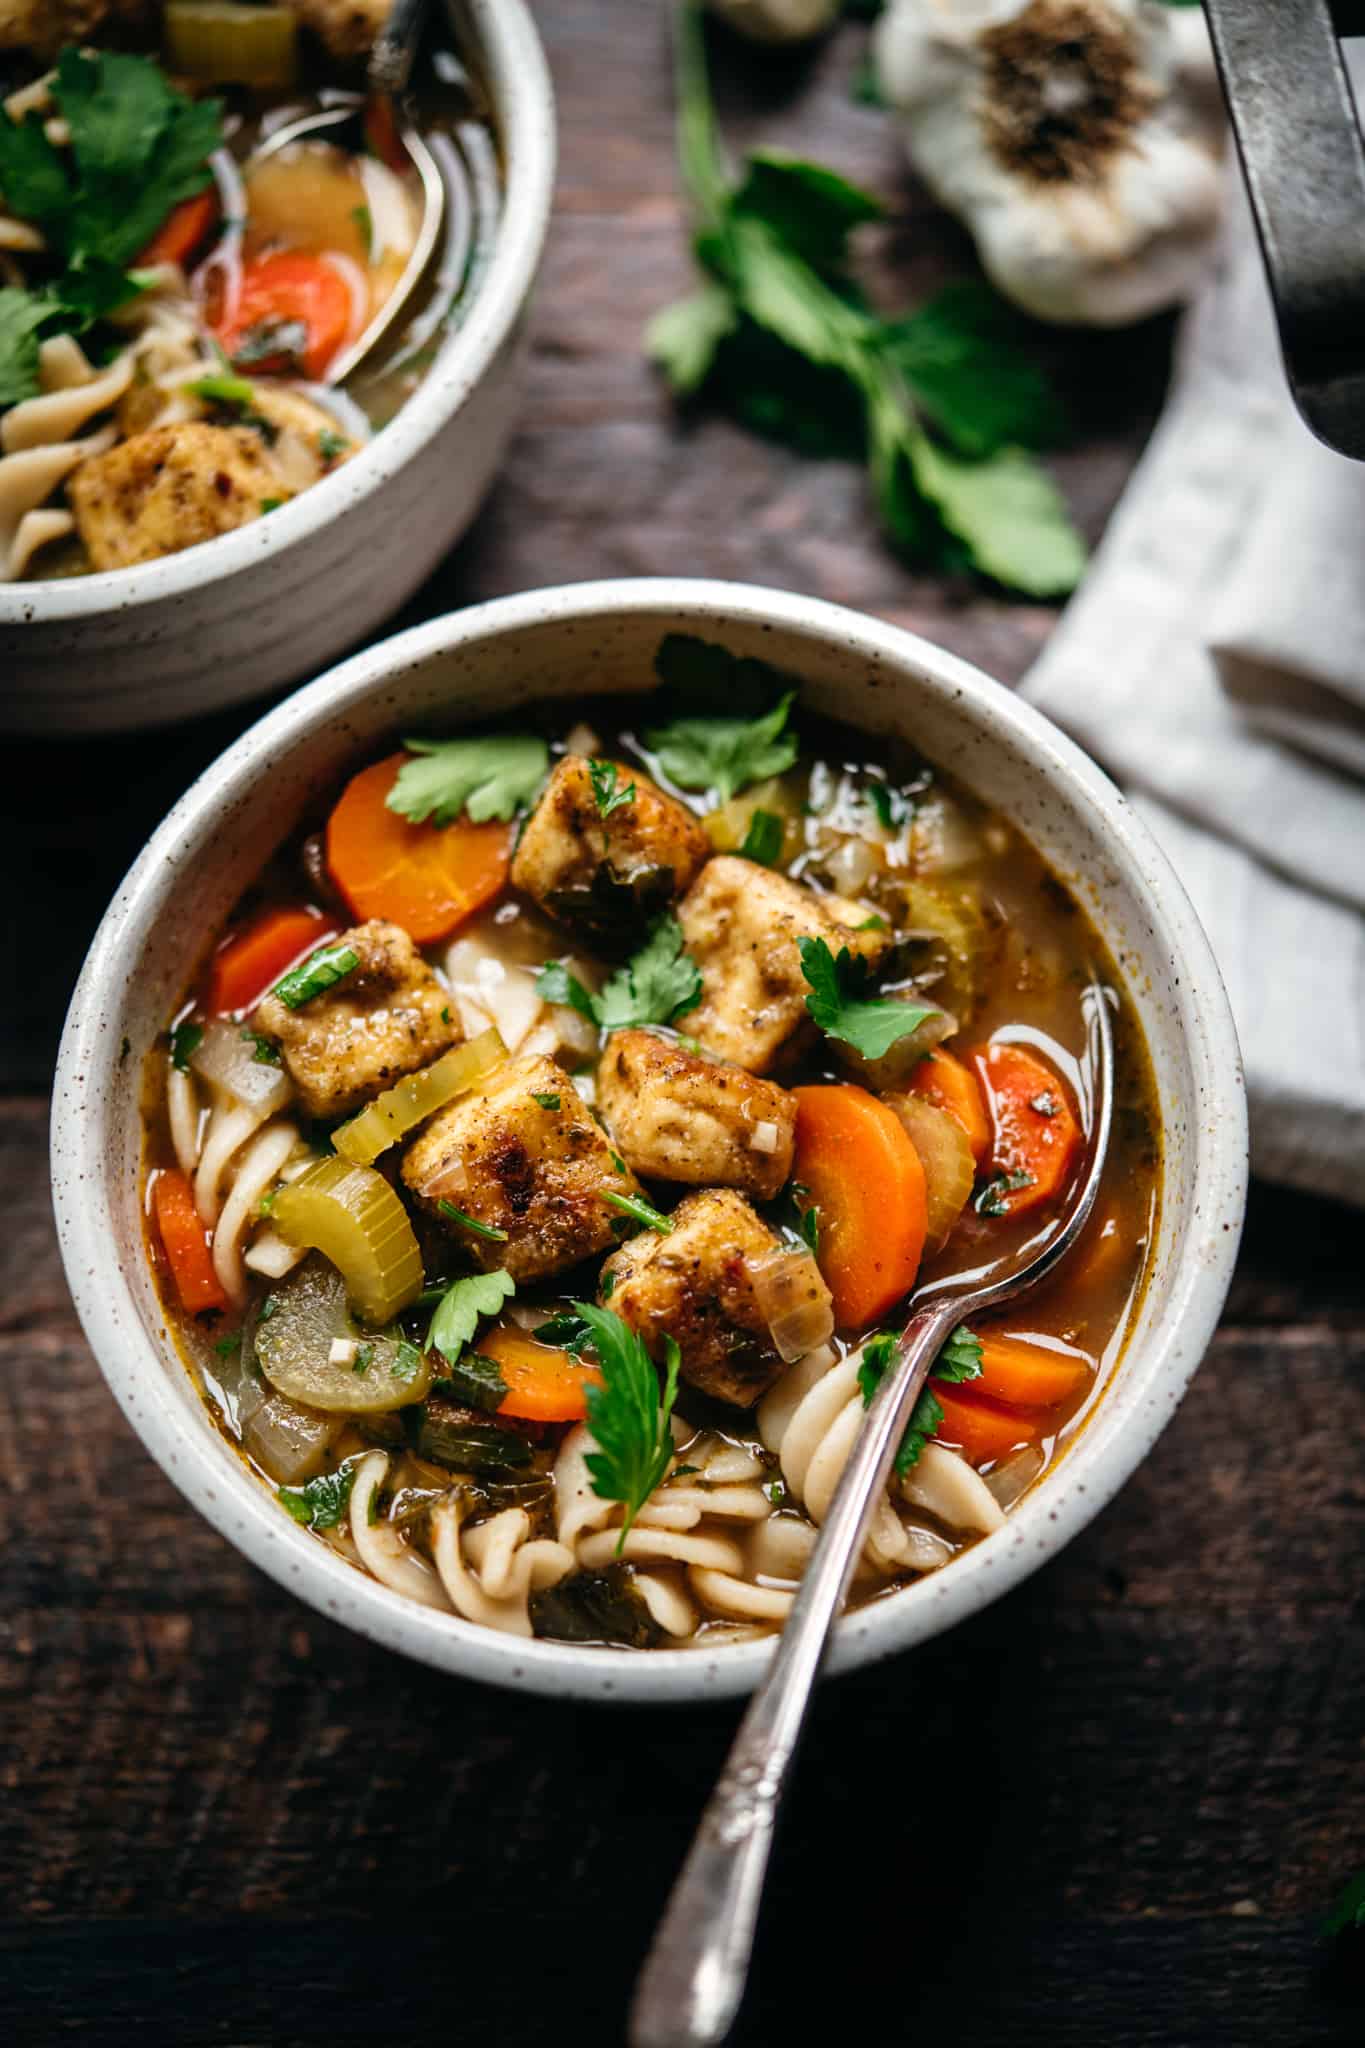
(566, 643)
(239, 615)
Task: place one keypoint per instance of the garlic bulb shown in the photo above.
(777, 21)
(1078, 140)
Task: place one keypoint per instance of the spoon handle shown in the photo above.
(395, 46)
(693, 1979)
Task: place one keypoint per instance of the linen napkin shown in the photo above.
(1214, 660)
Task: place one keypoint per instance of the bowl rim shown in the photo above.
(228, 1495)
(518, 78)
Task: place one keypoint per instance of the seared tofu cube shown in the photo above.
(696, 1285)
(169, 488)
(676, 1116)
(741, 923)
(522, 1155)
(607, 876)
(388, 1017)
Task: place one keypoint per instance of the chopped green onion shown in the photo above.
(643, 1212)
(321, 971)
(472, 1223)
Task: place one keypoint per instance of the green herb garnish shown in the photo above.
(941, 404)
(628, 1417)
(991, 1199)
(547, 1101)
(960, 1359)
(476, 1381)
(891, 807)
(642, 1211)
(660, 984)
(763, 839)
(839, 1004)
(330, 445)
(364, 221)
(221, 387)
(321, 971)
(267, 1053)
(323, 1502)
(271, 504)
(468, 1222)
(567, 1331)
(1349, 1910)
(407, 1362)
(186, 1040)
(604, 776)
(461, 1307)
(363, 1359)
(725, 754)
(484, 778)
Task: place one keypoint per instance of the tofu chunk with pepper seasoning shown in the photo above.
(740, 924)
(522, 1155)
(704, 1122)
(609, 875)
(386, 1018)
(696, 1285)
(169, 488)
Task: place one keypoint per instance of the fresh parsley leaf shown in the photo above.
(684, 338)
(811, 208)
(139, 148)
(461, 1307)
(993, 1198)
(186, 1040)
(962, 354)
(21, 315)
(763, 838)
(323, 1502)
(1349, 1910)
(555, 984)
(659, 984)
(271, 504)
(227, 1345)
(640, 1211)
(477, 1381)
(891, 807)
(1008, 514)
(703, 676)
(569, 1332)
(467, 1222)
(363, 1360)
(321, 971)
(627, 1415)
(547, 1101)
(839, 1005)
(267, 1053)
(330, 445)
(725, 754)
(407, 1362)
(484, 778)
(604, 776)
(221, 387)
(960, 1359)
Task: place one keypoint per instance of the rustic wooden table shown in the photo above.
(1121, 1799)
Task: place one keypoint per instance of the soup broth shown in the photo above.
(541, 1068)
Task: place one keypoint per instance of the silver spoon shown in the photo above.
(693, 1979)
(391, 62)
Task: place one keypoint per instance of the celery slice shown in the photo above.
(352, 1216)
(411, 1101)
(227, 43)
(377, 1370)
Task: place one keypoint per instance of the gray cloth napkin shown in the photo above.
(1214, 660)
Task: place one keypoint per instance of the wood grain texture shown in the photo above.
(1110, 1811)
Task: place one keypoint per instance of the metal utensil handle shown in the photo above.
(693, 1979)
(395, 47)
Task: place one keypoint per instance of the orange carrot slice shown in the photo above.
(186, 1244)
(865, 1178)
(945, 1082)
(1035, 1137)
(544, 1384)
(290, 287)
(182, 231)
(1028, 1375)
(979, 1429)
(253, 959)
(427, 878)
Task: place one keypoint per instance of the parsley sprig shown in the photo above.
(628, 1415)
(839, 1004)
(725, 754)
(942, 404)
(604, 777)
(322, 1502)
(658, 985)
(960, 1359)
(462, 1307)
(493, 777)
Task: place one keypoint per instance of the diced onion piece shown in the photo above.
(286, 1440)
(271, 1255)
(411, 1101)
(793, 1300)
(851, 866)
(763, 1138)
(228, 1060)
(954, 917)
(945, 1153)
(343, 1351)
(1014, 1475)
(225, 42)
(352, 1216)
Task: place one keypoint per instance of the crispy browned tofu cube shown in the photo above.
(522, 1155)
(741, 923)
(169, 488)
(607, 876)
(387, 1018)
(696, 1286)
(676, 1116)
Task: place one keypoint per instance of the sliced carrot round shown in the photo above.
(1028, 1375)
(426, 878)
(186, 1244)
(945, 1082)
(253, 959)
(1035, 1135)
(289, 288)
(979, 1428)
(544, 1384)
(182, 231)
(865, 1178)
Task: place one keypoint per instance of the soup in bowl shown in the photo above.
(554, 1087)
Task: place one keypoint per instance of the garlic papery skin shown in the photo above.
(777, 21)
(1078, 140)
